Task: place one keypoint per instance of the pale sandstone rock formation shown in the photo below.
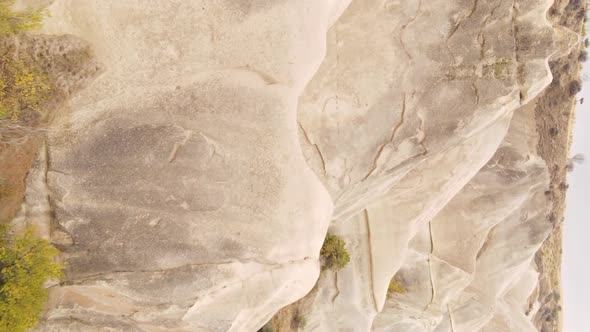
(178, 173)
(479, 246)
(193, 182)
(471, 94)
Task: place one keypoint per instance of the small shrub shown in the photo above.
(26, 263)
(563, 186)
(298, 321)
(12, 22)
(579, 158)
(395, 287)
(574, 87)
(333, 253)
(586, 42)
(583, 57)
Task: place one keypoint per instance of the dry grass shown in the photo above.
(292, 317)
(555, 115)
(395, 287)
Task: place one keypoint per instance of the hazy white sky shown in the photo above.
(576, 244)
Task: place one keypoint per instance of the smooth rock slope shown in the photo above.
(453, 112)
(192, 183)
(178, 173)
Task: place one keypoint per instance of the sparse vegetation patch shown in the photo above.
(395, 287)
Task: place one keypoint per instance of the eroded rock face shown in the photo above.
(178, 173)
(415, 78)
(478, 247)
(456, 82)
(193, 182)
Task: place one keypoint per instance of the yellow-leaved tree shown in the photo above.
(21, 87)
(19, 21)
(26, 263)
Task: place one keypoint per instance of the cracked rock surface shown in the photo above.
(190, 186)
(418, 204)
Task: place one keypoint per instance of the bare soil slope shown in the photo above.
(69, 65)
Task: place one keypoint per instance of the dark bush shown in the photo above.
(575, 3)
(575, 87)
(583, 57)
(298, 321)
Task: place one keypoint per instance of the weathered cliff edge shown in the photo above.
(191, 184)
